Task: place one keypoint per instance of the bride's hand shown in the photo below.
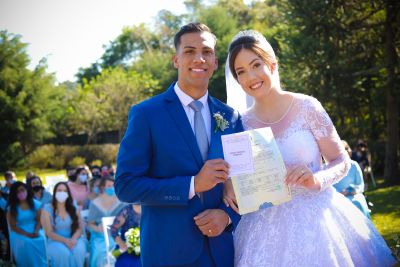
(229, 196)
(303, 176)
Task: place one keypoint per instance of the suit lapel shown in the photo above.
(178, 115)
(215, 143)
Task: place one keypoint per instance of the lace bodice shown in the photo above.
(306, 135)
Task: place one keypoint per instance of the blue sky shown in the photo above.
(71, 33)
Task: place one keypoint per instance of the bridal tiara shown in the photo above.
(250, 33)
(251, 36)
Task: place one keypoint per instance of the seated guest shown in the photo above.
(10, 178)
(78, 187)
(4, 235)
(29, 175)
(94, 188)
(106, 204)
(128, 217)
(27, 240)
(104, 170)
(61, 222)
(71, 172)
(96, 171)
(352, 185)
(34, 183)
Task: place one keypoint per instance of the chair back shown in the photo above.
(106, 222)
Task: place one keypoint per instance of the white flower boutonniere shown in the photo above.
(221, 122)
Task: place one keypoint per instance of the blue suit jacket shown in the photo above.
(156, 160)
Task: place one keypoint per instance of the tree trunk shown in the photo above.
(392, 112)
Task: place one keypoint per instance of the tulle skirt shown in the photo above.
(319, 229)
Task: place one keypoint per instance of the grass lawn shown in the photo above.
(386, 211)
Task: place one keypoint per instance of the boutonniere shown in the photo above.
(221, 122)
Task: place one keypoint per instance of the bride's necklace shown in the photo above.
(278, 120)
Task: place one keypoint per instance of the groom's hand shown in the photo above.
(213, 172)
(212, 222)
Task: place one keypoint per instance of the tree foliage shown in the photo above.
(345, 53)
(28, 100)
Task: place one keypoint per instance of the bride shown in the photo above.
(318, 227)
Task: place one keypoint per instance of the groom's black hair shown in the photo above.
(189, 28)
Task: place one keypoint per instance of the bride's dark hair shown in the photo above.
(254, 42)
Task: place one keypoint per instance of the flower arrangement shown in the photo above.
(132, 237)
(221, 122)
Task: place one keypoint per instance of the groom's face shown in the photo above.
(196, 61)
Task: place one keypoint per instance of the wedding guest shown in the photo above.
(318, 226)
(94, 188)
(70, 171)
(352, 185)
(362, 156)
(27, 239)
(106, 204)
(29, 175)
(104, 170)
(96, 171)
(4, 233)
(61, 222)
(10, 178)
(127, 218)
(34, 183)
(78, 187)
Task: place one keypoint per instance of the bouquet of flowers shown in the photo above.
(132, 237)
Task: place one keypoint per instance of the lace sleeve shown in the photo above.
(337, 161)
(118, 222)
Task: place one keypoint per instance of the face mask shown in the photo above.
(96, 190)
(83, 177)
(109, 191)
(96, 175)
(11, 181)
(61, 196)
(22, 195)
(37, 188)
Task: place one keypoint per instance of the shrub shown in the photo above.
(59, 156)
(77, 161)
(96, 162)
(40, 158)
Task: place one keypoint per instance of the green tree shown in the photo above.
(103, 103)
(28, 101)
(335, 51)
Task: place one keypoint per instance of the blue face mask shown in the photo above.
(96, 190)
(110, 191)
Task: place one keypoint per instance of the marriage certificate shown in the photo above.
(257, 169)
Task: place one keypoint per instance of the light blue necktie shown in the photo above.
(200, 129)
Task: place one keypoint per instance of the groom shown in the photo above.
(170, 162)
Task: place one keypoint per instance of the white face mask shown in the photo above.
(83, 177)
(61, 196)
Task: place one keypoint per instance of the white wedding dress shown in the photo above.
(315, 228)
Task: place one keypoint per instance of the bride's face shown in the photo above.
(253, 74)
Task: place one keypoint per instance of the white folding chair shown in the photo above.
(106, 222)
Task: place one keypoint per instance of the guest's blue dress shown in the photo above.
(97, 242)
(132, 219)
(46, 198)
(28, 252)
(59, 254)
(354, 182)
